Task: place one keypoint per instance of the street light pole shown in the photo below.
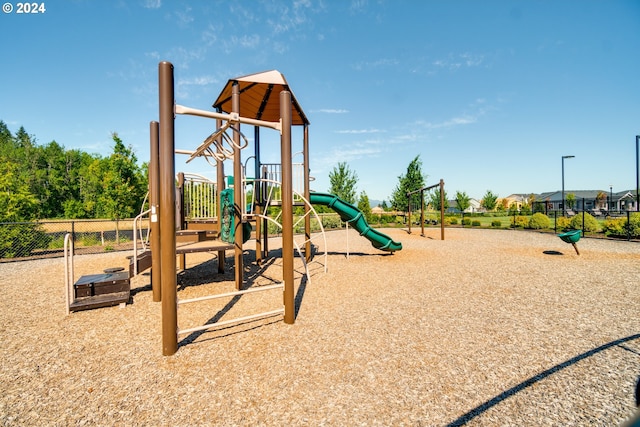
(610, 198)
(563, 204)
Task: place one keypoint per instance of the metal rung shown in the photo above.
(232, 294)
(231, 321)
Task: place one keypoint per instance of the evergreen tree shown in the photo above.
(413, 180)
(364, 205)
(489, 200)
(343, 182)
(120, 197)
(434, 199)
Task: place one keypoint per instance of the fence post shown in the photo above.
(583, 209)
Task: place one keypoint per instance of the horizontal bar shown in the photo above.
(233, 117)
(423, 189)
(232, 294)
(230, 321)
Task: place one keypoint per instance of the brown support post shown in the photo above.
(167, 210)
(154, 197)
(307, 193)
(422, 211)
(257, 193)
(238, 194)
(441, 209)
(182, 258)
(409, 203)
(265, 224)
(287, 207)
(219, 188)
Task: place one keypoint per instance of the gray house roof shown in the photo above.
(555, 196)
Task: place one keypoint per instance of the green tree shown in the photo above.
(489, 200)
(413, 180)
(343, 182)
(121, 193)
(364, 205)
(463, 201)
(434, 199)
(571, 200)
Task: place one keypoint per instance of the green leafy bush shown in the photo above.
(590, 223)
(520, 222)
(614, 227)
(496, 223)
(18, 240)
(539, 221)
(634, 225)
(466, 221)
(564, 223)
(453, 221)
(476, 223)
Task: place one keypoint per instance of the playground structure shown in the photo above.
(220, 215)
(421, 191)
(572, 237)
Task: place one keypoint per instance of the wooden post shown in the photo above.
(167, 210)
(422, 211)
(307, 193)
(409, 203)
(287, 207)
(238, 193)
(257, 193)
(154, 197)
(182, 258)
(220, 187)
(441, 209)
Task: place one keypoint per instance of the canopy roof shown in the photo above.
(260, 97)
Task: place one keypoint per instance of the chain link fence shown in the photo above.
(45, 239)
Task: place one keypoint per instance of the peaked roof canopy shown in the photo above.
(260, 97)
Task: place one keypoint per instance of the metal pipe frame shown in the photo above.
(230, 321)
(287, 207)
(238, 190)
(233, 117)
(232, 294)
(154, 198)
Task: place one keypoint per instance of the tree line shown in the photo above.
(343, 183)
(49, 181)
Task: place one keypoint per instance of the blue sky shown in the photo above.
(491, 94)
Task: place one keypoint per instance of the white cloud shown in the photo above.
(152, 4)
(359, 131)
(330, 111)
(455, 121)
(463, 60)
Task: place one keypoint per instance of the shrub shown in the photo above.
(634, 225)
(563, 223)
(18, 240)
(475, 223)
(453, 221)
(496, 223)
(520, 222)
(539, 221)
(466, 221)
(590, 223)
(614, 227)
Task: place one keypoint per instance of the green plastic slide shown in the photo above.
(354, 216)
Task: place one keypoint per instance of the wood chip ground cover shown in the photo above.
(483, 328)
